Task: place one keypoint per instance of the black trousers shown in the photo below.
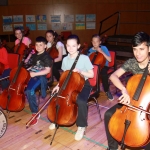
(82, 105)
(56, 68)
(104, 77)
(112, 143)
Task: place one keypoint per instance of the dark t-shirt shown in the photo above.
(131, 65)
(41, 61)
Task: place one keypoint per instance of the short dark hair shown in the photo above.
(96, 36)
(41, 39)
(75, 37)
(140, 38)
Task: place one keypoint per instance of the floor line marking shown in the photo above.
(70, 131)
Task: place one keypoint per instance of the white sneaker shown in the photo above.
(52, 126)
(79, 134)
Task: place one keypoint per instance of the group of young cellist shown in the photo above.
(42, 63)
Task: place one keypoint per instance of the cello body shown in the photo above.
(98, 59)
(138, 132)
(20, 49)
(13, 98)
(67, 112)
(84, 48)
(53, 52)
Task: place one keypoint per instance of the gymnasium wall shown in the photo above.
(102, 9)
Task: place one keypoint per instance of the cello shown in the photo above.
(53, 52)
(84, 48)
(127, 125)
(13, 98)
(62, 109)
(98, 59)
(20, 47)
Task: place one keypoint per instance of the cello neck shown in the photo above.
(17, 72)
(19, 44)
(141, 84)
(53, 45)
(69, 74)
(94, 58)
(19, 67)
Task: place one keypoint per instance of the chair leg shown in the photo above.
(98, 109)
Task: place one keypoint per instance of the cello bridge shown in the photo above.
(12, 88)
(132, 109)
(61, 97)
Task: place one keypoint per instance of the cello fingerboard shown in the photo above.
(141, 84)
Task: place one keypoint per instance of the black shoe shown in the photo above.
(109, 95)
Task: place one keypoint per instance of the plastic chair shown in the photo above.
(112, 64)
(13, 61)
(94, 82)
(65, 34)
(50, 79)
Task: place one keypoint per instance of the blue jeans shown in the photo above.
(5, 83)
(30, 91)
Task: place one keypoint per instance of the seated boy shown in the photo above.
(41, 66)
(96, 41)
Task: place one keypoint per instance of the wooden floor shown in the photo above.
(38, 137)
